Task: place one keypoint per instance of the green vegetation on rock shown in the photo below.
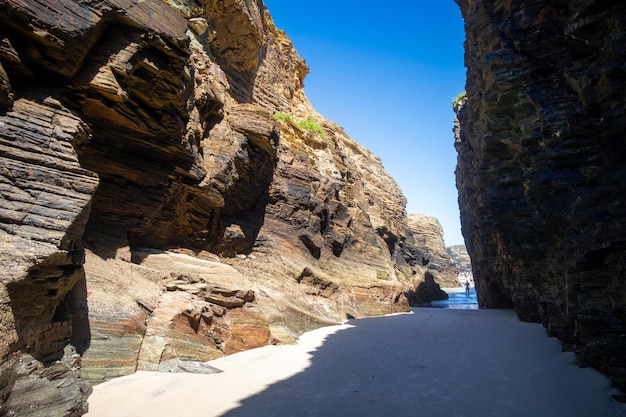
(308, 124)
(282, 116)
(311, 124)
(458, 101)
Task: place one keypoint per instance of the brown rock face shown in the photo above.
(428, 235)
(46, 197)
(541, 168)
(155, 212)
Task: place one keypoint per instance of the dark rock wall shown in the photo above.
(44, 206)
(541, 171)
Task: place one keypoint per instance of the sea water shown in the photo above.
(458, 299)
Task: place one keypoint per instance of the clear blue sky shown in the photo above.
(387, 72)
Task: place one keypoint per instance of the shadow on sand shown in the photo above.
(438, 362)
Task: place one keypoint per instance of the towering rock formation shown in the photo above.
(542, 168)
(460, 257)
(155, 211)
(428, 235)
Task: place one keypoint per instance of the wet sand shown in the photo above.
(433, 362)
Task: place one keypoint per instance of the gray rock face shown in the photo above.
(542, 167)
(36, 389)
(461, 258)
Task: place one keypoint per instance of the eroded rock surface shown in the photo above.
(154, 212)
(542, 168)
(460, 257)
(46, 197)
(428, 235)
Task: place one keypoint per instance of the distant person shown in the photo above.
(467, 288)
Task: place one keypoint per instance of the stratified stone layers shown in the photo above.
(154, 213)
(460, 257)
(428, 235)
(542, 168)
(44, 205)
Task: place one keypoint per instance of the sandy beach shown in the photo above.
(432, 362)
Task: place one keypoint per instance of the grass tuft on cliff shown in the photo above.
(309, 124)
(458, 101)
(282, 116)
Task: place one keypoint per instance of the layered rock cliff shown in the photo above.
(541, 168)
(428, 235)
(163, 202)
(460, 257)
